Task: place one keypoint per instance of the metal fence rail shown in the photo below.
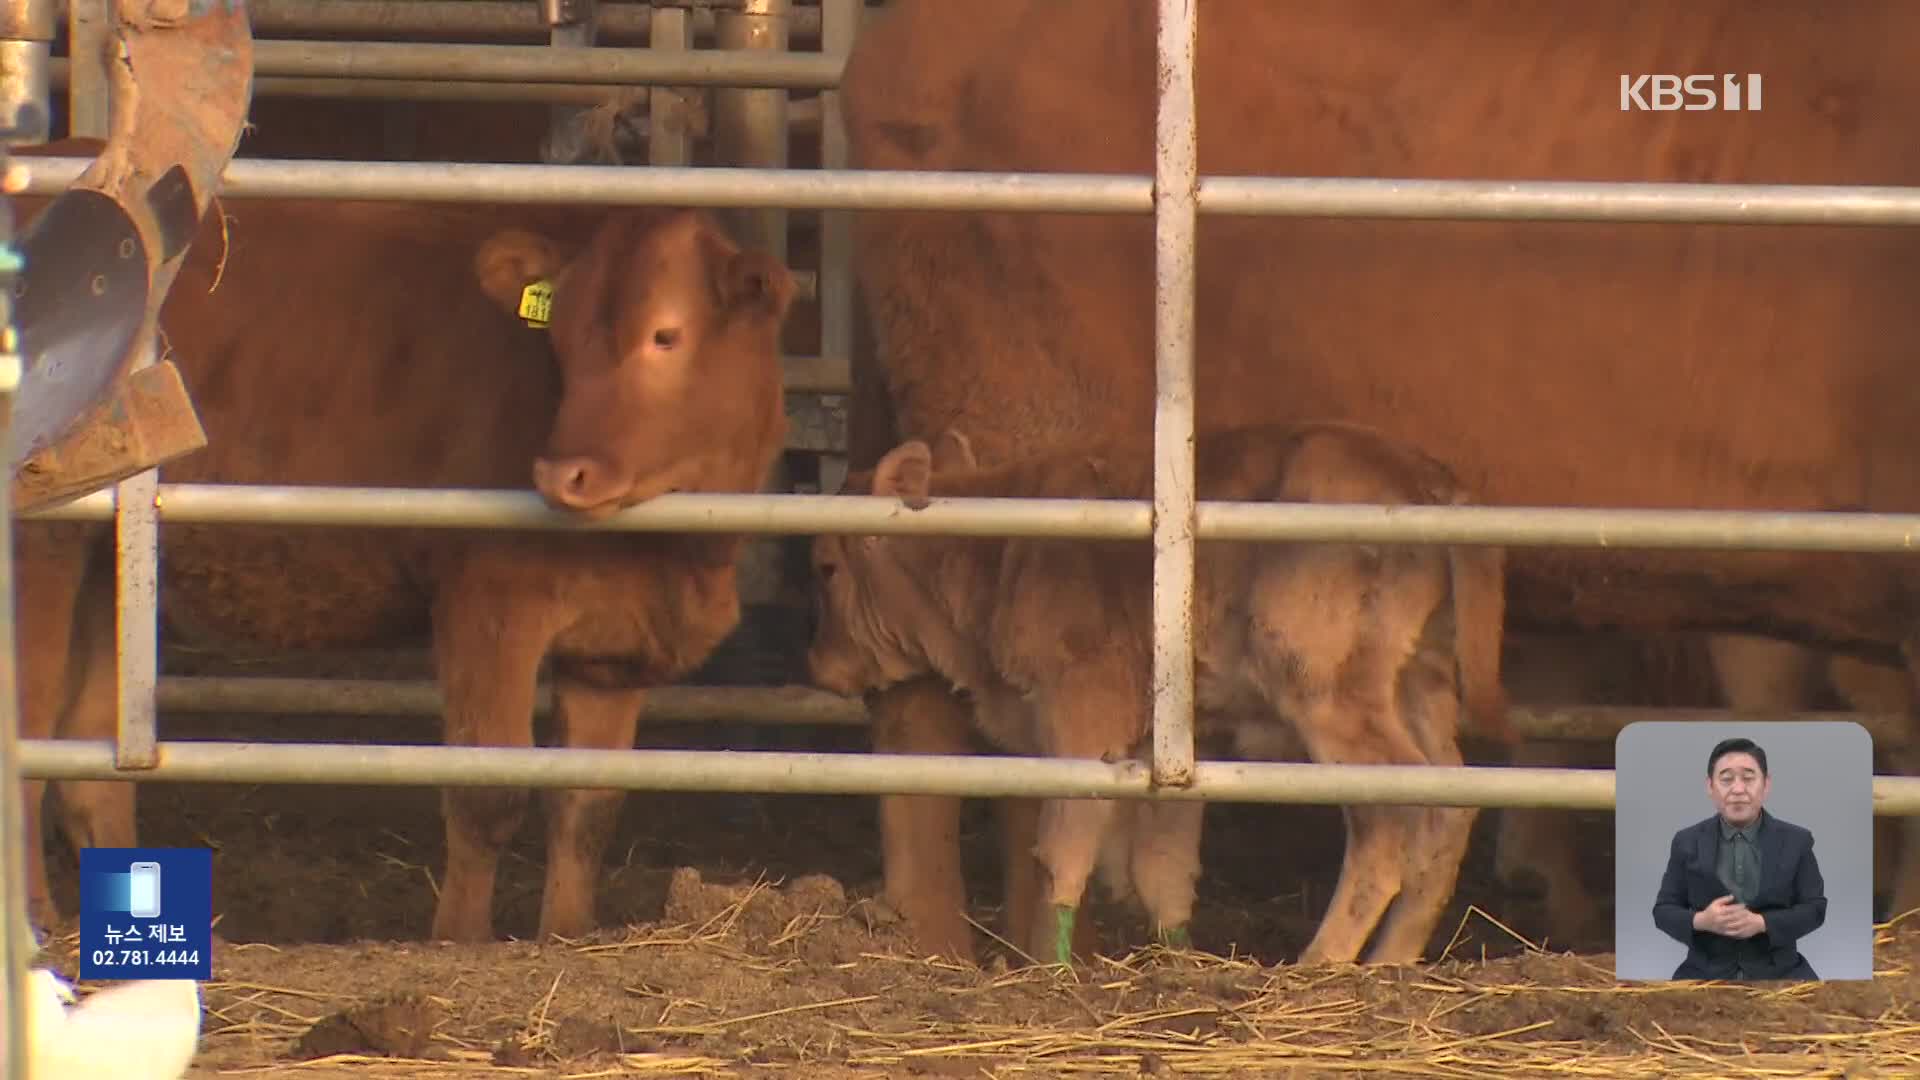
(792, 773)
(624, 22)
(542, 63)
(1081, 519)
(806, 706)
(1051, 193)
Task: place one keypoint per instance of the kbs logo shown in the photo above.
(1694, 93)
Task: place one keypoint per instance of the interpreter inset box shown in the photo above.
(146, 913)
(1743, 851)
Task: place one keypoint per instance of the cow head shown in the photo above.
(877, 618)
(667, 337)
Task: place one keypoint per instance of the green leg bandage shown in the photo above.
(1176, 937)
(1063, 933)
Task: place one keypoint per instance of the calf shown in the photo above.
(1347, 648)
(378, 344)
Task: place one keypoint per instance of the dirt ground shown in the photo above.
(744, 937)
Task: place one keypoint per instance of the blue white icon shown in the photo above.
(143, 890)
(146, 913)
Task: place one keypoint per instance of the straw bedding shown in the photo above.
(799, 980)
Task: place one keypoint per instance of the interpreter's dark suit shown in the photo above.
(1791, 897)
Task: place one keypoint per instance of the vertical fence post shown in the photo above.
(750, 129)
(14, 841)
(668, 142)
(136, 525)
(1175, 186)
(750, 125)
(87, 68)
(839, 25)
(25, 111)
(137, 558)
(571, 24)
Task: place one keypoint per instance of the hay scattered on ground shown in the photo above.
(800, 980)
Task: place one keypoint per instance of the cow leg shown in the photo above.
(1877, 688)
(487, 650)
(1533, 843)
(96, 813)
(1760, 674)
(1903, 836)
(920, 834)
(50, 567)
(581, 821)
(1530, 848)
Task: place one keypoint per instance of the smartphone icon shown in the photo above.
(143, 891)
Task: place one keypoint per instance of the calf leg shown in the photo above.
(1091, 716)
(1440, 840)
(488, 650)
(1379, 838)
(920, 834)
(1071, 831)
(1332, 628)
(50, 566)
(580, 821)
(1165, 864)
(1027, 909)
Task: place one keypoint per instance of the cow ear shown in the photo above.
(953, 452)
(755, 283)
(906, 473)
(518, 271)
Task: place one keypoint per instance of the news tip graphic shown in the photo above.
(146, 913)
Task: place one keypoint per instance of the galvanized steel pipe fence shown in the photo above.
(1174, 520)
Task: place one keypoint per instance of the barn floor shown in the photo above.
(744, 940)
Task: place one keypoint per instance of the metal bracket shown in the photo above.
(147, 421)
(101, 257)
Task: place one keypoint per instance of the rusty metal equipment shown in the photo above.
(98, 261)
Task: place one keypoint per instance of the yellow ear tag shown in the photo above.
(536, 303)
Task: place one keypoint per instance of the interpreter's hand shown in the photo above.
(1745, 923)
(1720, 917)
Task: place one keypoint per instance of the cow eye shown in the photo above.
(666, 339)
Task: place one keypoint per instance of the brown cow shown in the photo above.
(1573, 364)
(376, 344)
(1053, 640)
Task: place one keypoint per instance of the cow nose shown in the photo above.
(575, 483)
